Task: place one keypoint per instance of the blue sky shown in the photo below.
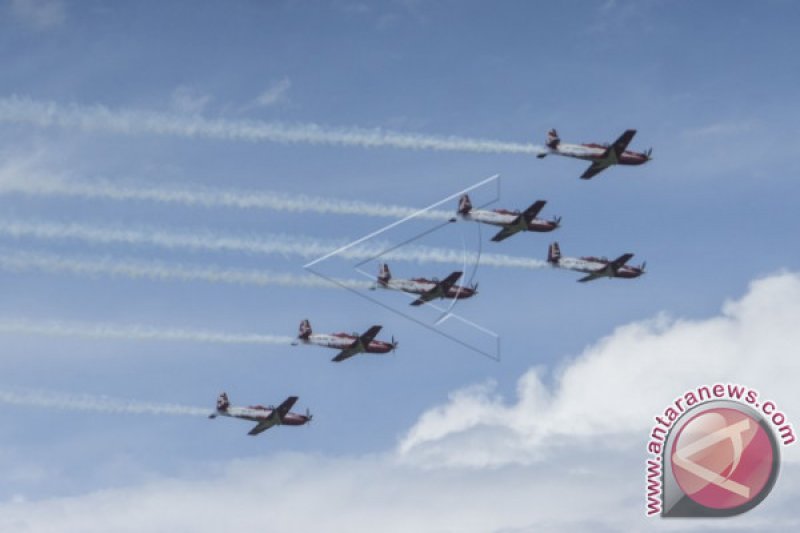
(711, 87)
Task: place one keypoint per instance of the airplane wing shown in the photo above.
(355, 348)
(619, 261)
(533, 210)
(513, 227)
(369, 335)
(618, 147)
(622, 143)
(609, 269)
(275, 417)
(596, 168)
(283, 408)
(347, 353)
(505, 233)
(441, 288)
(263, 425)
(593, 276)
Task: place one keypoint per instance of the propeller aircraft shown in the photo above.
(595, 267)
(602, 156)
(427, 289)
(266, 417)
(349, 345)
(512, 222)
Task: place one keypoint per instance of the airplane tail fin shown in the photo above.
(464, 205)
(305, 329)
(554, 253)
(223, 403)
(384, 274)
(552, 139)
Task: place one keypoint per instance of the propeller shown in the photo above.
(309, 416)
(474, 287)
(557, 221)
(642, 267)
(394, 344)
(648, 153)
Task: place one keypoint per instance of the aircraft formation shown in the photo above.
(510, 222)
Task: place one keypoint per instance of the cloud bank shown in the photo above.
(618, 385)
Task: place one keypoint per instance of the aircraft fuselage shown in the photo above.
(422, 286)
(589, 265)
(342, 341)
(505, 218)
(259, 413)
(596, 152)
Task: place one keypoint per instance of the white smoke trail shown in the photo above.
(100, 404)
(100, 118)
(51, 263)
(207, 197)
(304, 247)
(134, 332)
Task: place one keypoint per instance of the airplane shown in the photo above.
(595, 267)
(511, 221)
(428, 289)
(349, 345)
(602, 156)
(265, 416)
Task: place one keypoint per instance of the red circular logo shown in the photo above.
(722, 458)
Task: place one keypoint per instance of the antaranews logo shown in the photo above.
(714, 452)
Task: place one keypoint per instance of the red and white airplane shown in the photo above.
(428, 289)
(266, 417)
(349, 345)
(511, 221)
(602, 156)
(595, 267)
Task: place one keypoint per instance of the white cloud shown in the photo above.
(189, 100)
(40, 14)
(301, 493)
(275, 93)
(621, 382)
(580, 489)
